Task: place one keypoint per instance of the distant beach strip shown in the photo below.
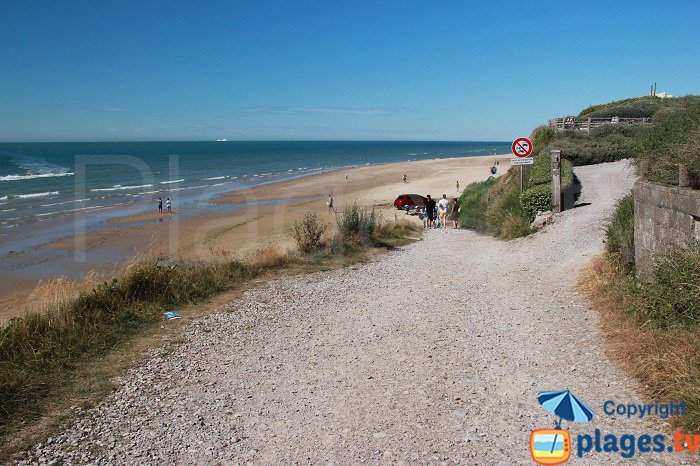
(38, 181)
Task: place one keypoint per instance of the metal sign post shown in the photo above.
(522, 148)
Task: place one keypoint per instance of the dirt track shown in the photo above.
(431, 354)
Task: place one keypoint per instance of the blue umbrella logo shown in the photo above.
(566, 406)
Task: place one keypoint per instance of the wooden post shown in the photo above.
(683, 178)
(589, 125)
(556, 181)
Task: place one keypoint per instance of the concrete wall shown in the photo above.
(663, 216)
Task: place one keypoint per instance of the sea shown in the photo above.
(43, 182)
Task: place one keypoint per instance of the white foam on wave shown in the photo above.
(82, 209)
(118, 187)
(215, 178)
(31, 177)
(171, 182)
(8, 210)
(30, 195)
(63, 203)
(189, 187)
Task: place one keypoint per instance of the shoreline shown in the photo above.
(239, 221)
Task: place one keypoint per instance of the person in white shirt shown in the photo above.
(443, 204)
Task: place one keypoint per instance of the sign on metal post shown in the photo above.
(522, 149)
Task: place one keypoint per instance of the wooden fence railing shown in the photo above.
(587, 124)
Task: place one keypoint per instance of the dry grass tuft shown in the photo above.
(666, 360)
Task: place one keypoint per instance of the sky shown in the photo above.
(325, 70)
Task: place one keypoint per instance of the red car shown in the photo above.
(409, 200)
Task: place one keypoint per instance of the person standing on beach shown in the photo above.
(430, 211)
(330, 203)
(442, 208)
(169, 205)
(160, 205)
(457, 186)
(404, 178)
(455, 212)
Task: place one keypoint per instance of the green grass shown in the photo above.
(652, 327)
(672, 296)
(356, 224)
(674, 139)
(620, 232)
(493, 206)
(635, 107)
(42, 352)
(473, 203)
(605, 144)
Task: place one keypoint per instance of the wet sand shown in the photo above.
(255, 218)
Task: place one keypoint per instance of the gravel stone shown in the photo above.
(433, 353)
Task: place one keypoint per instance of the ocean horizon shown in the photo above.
(43, 181)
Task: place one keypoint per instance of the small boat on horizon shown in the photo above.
(222, 140)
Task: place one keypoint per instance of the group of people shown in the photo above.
(436, 213)
(168, 205)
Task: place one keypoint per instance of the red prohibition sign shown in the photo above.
(522, 147)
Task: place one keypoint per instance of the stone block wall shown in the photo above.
(663, 216)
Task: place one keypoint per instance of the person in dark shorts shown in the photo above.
(455, 212)
(160, 205)
(430, 211)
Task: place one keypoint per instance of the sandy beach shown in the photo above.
(250, 219)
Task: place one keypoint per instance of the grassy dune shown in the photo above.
(42, 355)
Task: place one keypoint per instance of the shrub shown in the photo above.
(473, 204)
(494, 206)
(394, 234)
(591, 150)
(356, 224)
(308, 233)
(536, 199)
(541, 172)
(620, 231)
(541, 136)
(673, 294)
(635, 107)
(689, 156)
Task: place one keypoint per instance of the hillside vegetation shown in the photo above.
(653, 325)
(672, 139)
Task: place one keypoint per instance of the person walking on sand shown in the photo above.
(169, 206)
(404, 178)
(442, 210)
(457, 186)
(455, 212)
(430, 211)
(330, 203)
(160, 205)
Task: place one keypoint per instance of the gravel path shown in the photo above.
(430, 354)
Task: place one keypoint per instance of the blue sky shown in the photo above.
(466, 70)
